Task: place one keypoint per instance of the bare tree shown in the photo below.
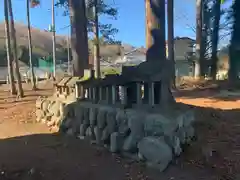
(170, 16)
(14, 44)
(54, 39)
(8, 51)
(215, 37)
(96, 41)
(198, 64)
(33, 80)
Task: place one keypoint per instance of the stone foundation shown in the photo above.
(155, 137)
(50, 110)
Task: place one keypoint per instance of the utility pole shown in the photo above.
(96, 41)
(54, 39)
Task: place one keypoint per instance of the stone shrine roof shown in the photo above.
(73, 81)
(64, 81)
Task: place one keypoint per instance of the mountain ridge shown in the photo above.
(42, 43)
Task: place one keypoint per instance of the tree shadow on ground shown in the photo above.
(53, 156)
(219, 90)
(217, 144)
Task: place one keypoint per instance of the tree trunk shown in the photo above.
(199, 69)
(204, 39)
(8, 51)
(157, 22)
(234, 49)
(214, 58)
(14, 43)
(151, 22)
(54, 39)
(33, 80)
(158, 12)
(79, 37)
(149, 40)
(170, 49)
(96, 42)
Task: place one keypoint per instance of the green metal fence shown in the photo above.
(46, 63)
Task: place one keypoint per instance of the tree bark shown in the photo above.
(204, 39)
(158, 22)
(149, 40)
(8, 51)
(96, 42)
(199, 61)
(234, 49)
(158, 12)
(14, 43)
(151, 22)
(215, 33)
(79, 37)
(170, 14)
(33, 79)
(54, 39)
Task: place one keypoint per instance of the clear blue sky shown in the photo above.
(131, 20)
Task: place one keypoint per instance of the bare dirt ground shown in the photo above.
(29, 151)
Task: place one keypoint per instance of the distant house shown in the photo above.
(117, 55)
(134, 57)
(108, 54)
(183, 47)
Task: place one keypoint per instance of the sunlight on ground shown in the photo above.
(17, 119)
(15, 129)
(213, 103)
(224, 100)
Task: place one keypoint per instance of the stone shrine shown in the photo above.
(133, 113)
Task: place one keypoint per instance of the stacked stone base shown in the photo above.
(151, 136)
(49, 110)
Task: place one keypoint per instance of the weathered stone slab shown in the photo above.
(156, 151)
(93, 111)
(136, 125)
(54, 108)
(116, 142)
(174, 142)
(111, 125)
(159, 125)
(185, 134)
(79, 112)
(39, 115)
(122, 123)
(188, 118)
(39, 102)
(101, 117)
